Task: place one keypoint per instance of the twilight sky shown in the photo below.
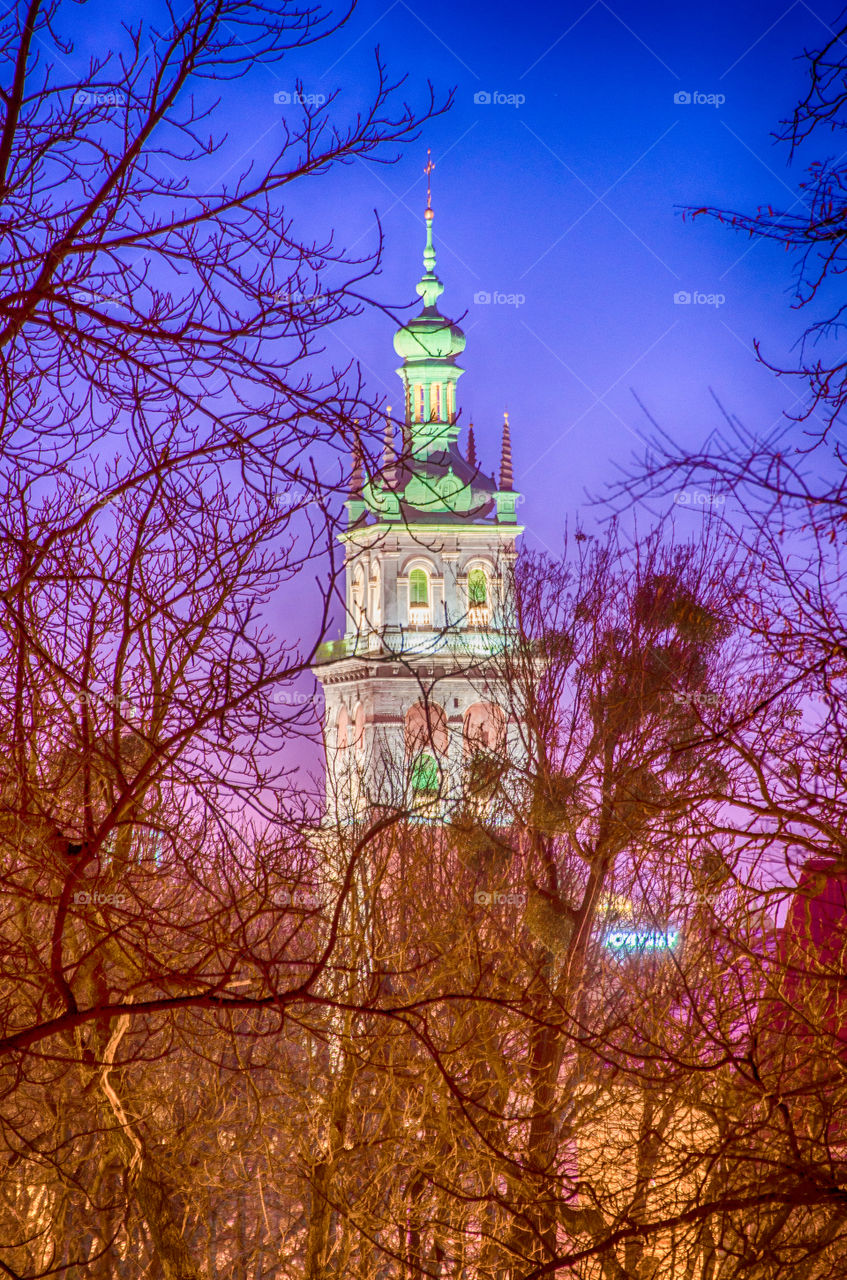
(577, 133)
(564, 207)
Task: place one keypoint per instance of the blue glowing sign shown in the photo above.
(629, 941)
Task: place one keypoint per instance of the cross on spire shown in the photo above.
(430, 288)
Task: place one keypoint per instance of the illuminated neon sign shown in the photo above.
(641, 940)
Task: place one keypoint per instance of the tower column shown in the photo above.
(455, 747)
(390, 594)
(450, 559)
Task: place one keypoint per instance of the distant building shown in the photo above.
(812, 1013)
(412, 688)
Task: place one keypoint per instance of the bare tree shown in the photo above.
(529, 1043)
(172, 446)
(816, 232)
(783, 508)
(596, 1066)
(550, 1026)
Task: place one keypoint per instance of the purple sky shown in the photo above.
(566, 203)
(569, 202)
(561, 200)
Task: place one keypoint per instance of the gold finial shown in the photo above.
(428, 168)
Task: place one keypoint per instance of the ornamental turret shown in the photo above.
(428, 346)
(431, 479)
(506, 496)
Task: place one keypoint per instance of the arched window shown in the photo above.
(435, 395)
(478, 610)
(419, 587)
(477, 587)
(421, 404)
(451, 401)
(419, 612)
(426, 775)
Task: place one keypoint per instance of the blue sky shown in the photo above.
(578, 133)
(564, 197)
(561, 199)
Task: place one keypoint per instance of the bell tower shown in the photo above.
(412, 690)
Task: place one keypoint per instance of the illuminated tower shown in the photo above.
(412, 689)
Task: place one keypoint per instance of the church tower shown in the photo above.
(412, 691)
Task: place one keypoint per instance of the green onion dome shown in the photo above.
(429, 336)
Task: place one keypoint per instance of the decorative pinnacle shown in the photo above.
(506, 476)
(471, 453)
(429, 287)
(357, 477)
(389, 456)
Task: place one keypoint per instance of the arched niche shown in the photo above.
(426, 728)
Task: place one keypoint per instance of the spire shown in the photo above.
(357, 476)
(389, 456)
(428, 345)
(506, 476)
(429, 287)
(471, 453)
(356, 504)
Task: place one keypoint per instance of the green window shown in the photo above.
(425, 774)
(477, 587)
(418, 587)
